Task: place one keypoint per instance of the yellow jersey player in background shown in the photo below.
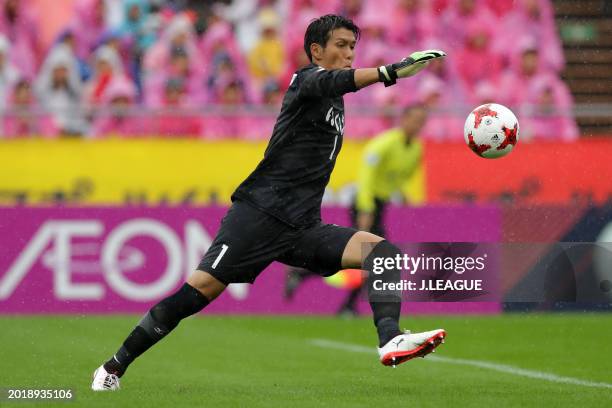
(390, 159)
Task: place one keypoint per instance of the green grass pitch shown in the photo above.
(227, 361)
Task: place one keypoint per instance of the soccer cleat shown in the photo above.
(407, 346)
(103, 381)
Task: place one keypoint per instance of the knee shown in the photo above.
(207, 284)
(185, 302)
(383, 249)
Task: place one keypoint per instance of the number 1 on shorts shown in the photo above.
(223, 250)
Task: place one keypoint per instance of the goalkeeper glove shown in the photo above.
(408, 66)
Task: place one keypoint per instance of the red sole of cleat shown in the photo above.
(421, 351)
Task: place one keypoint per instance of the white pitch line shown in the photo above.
(507, 369)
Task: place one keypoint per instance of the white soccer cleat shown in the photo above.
(103, 381)
(407, 346)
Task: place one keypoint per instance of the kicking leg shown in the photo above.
(360, 252)
(395, 347)
(201, 288)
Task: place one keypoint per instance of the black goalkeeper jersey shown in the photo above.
(290, 180)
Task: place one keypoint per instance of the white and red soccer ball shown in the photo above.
(491, 131)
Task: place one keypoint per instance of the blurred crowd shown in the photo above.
(193, 62)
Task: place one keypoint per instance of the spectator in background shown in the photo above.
(138, 24)
(59, 89)
(228, 93)
(224, 62)
(67, 38)
(19, 23)
(122, 46)
(255, 124)
(178, 35)
(538, 93)
(138, 32)
(535, 19)
(501, 7)
(526, 67)
(447, 72)
(8, 72)
(459, 15)
(181, 68)
(546, 113)
(219, 42)
(443, 124)
(175, 55)
(374, 38)
(171, 121)
(116, 118)
(114, 13)
(25, 118)
(476, 62)
(272, 95)
(296, 59)
(88, 24)
(485, 92)
(300, 14)
(106, 65)
(267, 58)
(243, 15)
(414, 25)
(352, 9)
(175, 94)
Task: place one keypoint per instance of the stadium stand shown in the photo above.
(217, 69)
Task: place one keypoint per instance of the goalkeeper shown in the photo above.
(389, 161)
(276, 212)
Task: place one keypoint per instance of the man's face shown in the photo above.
(103, 67)
(173, 96)
(547, 98)
(339, 52)
(413, 121)
(60, 75)
(23, 94)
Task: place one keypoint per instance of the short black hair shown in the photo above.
(320, 29)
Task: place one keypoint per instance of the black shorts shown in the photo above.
(249, 240)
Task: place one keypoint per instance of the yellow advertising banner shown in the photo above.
(147, 171)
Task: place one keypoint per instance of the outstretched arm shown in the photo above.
(320, 82)
(388, 74)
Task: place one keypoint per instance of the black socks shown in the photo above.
(387, 328)
(385, 304)
(155, 325)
